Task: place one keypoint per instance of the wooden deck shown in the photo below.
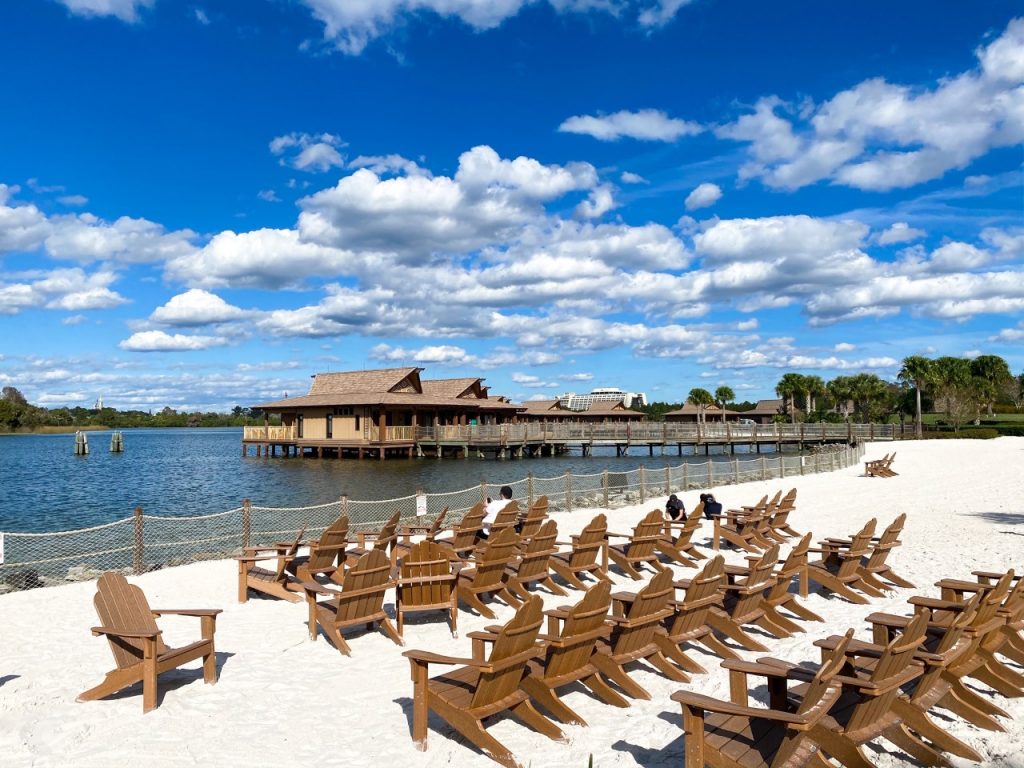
(537, 439)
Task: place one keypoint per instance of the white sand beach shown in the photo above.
(283, 699)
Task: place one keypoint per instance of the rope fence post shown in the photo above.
(711, 473)
(604, 487)
(344, 504)
(686, 476)
(668, 479)
(568, 491)
(138, 551)
(483, 491)
(643, 485)
(735, 470)
(764, 467)
(529, 487)
(246, 523)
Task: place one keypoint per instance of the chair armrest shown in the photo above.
(963, 586)
(133, 633)
(700, 701)
(755, 668)
(936, 604)
(186, 611)
(426, 657)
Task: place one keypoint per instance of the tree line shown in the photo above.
(19, 415)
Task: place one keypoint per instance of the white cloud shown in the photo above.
(73, 201)
(529, 380)
(628, 177)
(314, 153)
(201, 17)
(72, 320)
(64, 289)
(268, 196)
(125, 10)
(577, 377)
(159, 341)
(879, 136)
(900, 232)
(22, 227)
(661, 13)
(1009, 335)
(384, 164)
(644, 124)
(844, 347)
(196, 307)
(704, 195)
(87, 238)
(598, 203)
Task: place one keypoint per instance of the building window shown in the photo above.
(357, 422)
(330, 426)
(298, 425)
(346, 411)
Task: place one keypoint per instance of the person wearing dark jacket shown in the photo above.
(674, 508)
(711, 507)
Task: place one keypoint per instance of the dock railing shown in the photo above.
(143, 542)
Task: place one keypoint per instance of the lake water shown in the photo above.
(45, 487)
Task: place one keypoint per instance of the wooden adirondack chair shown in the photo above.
(875, 570)
(1012, 611)
(736, 735)
(584, 555)
(534, 563)
(839, 569)
(277, 583)
(741, 528)
(916, 733)
(383, 540)
(464, 536)
(487, 576)
(637, 619)
(324, 553)
(534, 518)
(360, 600)
(689, 622)
(681, 549)
(986, 623)
(129, 625)
(779, 596)
(506, 518)
(641, 546)
(482, 687)
(428, 532)
(778, 523)
(426, 582)
(881, 467)
(744, 600)
(572, 636)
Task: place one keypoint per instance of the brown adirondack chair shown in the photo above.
(865, 709)
(1012, 612)
(778, 523)
(506, 518)
(584, 555)
(839, 569)
(465, 535)
(428, 532)
(534, 518)
(569, 646)
(743, 602)
(324, 554)
(916, 733)
(689, 621)
(986, 622)
(875, 570)
(637, 619)
(534, 563)
(487, 576)
(276, 583)
(129, 625)
(360, 600)
(881, 467)
(383, 540)
(426, 582)
(681, 549)
(641, 546)
(736, 735)
(779, 596)
(741, 528)
(482, 687)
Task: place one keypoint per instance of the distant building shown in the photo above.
(552, 411)
(574, 402)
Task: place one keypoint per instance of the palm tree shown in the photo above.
(952, 377)
(917, 371)
(724, 395)
(702, 399)
(840, 389)
(995, 373)
(787, 388)
(813, 386)
(866, 389)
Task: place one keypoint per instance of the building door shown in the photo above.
(298, 425)
(330, 425)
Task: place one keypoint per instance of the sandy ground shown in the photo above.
(284, 699)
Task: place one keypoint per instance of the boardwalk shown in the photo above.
(537, 439)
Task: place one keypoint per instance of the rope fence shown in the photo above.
(144, 542)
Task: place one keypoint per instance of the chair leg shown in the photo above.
(732, 630)
(840, 747)
(667, 668)
(603, 691)
(964, 703)
(526, 712)
(899, 581)
(717, 647)
(389, 630)
(676, 654)
(569, 577)
(997, 681)
(794, 606)
(776, 625)
(474, 730)
(149, 691)
(919, 722)
(550, 584)
(618, 675)
(420, 707)
(474, 602)
(917, 749)
(832, 584)
(626, 566)
(548, 699)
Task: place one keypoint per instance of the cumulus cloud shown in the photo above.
(628, 177)
(196, 307)
(661, 13)
(314, 153)
(900, 232)
(598, 203)
(704, 195)
(65, 289)
(880, 135)
(87, 238)
(125, 10)
(644, 124)
(159, 341)
(22, 227)
(73, 201)
(384, 164)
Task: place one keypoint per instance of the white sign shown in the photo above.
(421, 509)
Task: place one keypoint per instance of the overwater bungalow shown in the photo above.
(596, 412)
(376, 412)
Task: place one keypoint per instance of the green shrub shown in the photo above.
(964, 434)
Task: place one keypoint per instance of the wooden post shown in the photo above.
(711, 473)
(246, 523)
(604, 487)
(529, 486)
(643, 485)
(736, 470)
(138, 551)
(668, 479)
(686, 475)
(344, 505)
(568, 491)
(483, 491)
(764, 467)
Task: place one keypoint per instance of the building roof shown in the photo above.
(541, 407)
(689, 409)
(398, 399)
(465, 387)
(766, 408)
(610, 408)
(365, 382)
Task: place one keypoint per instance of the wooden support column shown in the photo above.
(382, 430)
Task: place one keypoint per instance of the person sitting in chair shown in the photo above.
(494, 506)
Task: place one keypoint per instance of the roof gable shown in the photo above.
(367, 382)
(467, 388)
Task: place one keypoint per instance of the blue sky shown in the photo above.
(203, 203)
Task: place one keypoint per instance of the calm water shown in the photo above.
(45, 487)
